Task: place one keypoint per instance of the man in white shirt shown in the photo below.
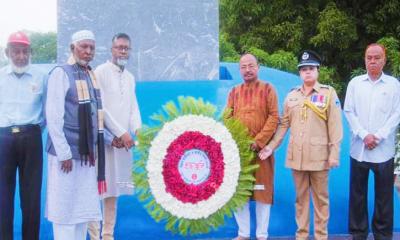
(117, 86)
(372, 108)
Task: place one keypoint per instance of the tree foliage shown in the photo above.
(334, 29)
(338, 30)
(3, 59)
(392, 46)
(227, 50)
(44, 47)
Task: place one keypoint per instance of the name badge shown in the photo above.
(35, 88)
(259, 187)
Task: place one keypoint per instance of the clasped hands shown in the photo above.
(125, 141)
(371, 141)
(262, 153)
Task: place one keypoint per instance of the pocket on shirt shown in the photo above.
(293, 107)
(383, 99)
(35, 89)
(293, 104)
(32, 94)
(319, 148)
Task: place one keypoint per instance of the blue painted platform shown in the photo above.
(133, 221)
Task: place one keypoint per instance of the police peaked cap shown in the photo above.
(309, 58)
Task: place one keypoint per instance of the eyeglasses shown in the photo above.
(122, 48)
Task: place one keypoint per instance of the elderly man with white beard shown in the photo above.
(76, 119)
(22, 89)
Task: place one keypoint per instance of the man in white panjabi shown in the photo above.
(117, 86)
(75, 122)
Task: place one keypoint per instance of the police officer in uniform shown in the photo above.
(313, 113)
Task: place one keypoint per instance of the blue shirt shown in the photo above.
(22, 99)
(373, 107)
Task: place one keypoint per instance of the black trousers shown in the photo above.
(22, 151)
(382, 220)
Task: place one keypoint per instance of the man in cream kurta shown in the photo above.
(117, 86)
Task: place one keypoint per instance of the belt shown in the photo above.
(19, 128)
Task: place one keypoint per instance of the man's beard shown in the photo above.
(122, 62)
(20, 70)
(81, 62)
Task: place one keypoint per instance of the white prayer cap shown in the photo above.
(82, 35)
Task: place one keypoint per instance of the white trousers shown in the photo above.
(242, 217)
(70, 231)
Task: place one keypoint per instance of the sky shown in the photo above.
(32, 15)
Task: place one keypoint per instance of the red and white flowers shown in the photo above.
(193, 166)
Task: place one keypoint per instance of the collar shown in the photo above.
(382, 78)
(114, 67)
(251, 83)
(316, 87)
(28, 72)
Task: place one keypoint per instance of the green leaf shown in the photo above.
(170, 111)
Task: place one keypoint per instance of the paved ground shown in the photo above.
(396, 236)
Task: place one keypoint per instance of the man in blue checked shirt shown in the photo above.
(372, 108)
(22, 91)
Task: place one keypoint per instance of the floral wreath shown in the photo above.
(195, 168)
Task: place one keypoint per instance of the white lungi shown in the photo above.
(72, 197)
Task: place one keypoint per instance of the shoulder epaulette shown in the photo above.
(295, 88)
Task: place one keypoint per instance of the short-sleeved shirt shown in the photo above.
(22, 99)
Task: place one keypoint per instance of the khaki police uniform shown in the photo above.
(315, 134)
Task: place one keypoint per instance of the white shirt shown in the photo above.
(119, 98)
(22, 99)
(373, 107)
(118, 94)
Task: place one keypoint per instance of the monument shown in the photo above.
(171, 40)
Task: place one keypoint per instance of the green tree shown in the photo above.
(283, 60)
(44, 47)
(261, 55)
(227, 51)
(392, 46)
(330, 77)
(335, 29)
(339, 30)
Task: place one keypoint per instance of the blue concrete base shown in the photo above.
(133, 221)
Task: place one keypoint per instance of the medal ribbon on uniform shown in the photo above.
(320, 111)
